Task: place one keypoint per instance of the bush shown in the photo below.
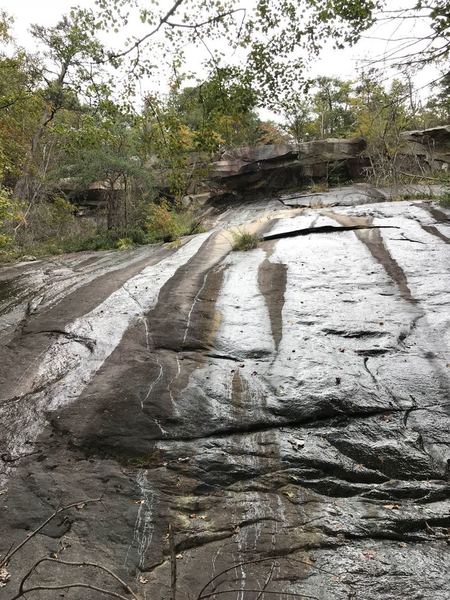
(444, 200)
(244, 240)
(165, 224)
(6, 213)
(124, 244)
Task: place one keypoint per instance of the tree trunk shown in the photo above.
(23, 189)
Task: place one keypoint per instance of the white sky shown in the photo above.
(343, 63)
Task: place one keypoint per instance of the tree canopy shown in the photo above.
(188, 83)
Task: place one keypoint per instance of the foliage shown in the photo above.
(66, 122)
(244, 240)
(167, 224)
(124, 244)
(273, 37)
(444, 200)
(6, 213)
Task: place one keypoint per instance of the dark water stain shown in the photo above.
(132, 400)
(22, 352)
(376, 246)
(374, 242)
(237, 389)
(272, 278)
(184, 296)
(439, 215)
(13, 294)
(431, 229)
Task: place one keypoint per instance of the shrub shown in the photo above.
(124, 244)
(6, 213)
(244, 240)
(166, 224)
(444, 200)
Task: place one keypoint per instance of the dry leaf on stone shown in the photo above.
(4, 577)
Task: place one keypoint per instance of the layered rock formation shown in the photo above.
(285, 410)
(284, 166)
(430, 146)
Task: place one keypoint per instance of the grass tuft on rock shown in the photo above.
(444, 199)
(244, 240)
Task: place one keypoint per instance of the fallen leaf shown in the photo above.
(143, 579)
(4, 576)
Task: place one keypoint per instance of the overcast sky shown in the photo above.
(343, 63)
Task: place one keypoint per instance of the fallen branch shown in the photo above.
(266, 583)
(278, 592)
(5, 560)
(74, 564)
(67, 586)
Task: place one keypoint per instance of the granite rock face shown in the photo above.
(285, 410)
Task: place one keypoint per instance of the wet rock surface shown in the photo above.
(285, 410)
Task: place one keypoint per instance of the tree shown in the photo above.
(413, 50)
(273, 37)
(297, 115)
(331, 104)
(380, 116)
(437, 108)
(70, 51)
(106, 147)
(19, 105)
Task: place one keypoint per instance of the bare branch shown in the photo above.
(266, 583)
(277, 592)
(68, 586)
(138, 42)
(75, 564)
(165, 21)
(209, 21)
(58, 511)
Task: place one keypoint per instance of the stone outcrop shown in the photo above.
(430, 146)
(285, 410)
(283, 166)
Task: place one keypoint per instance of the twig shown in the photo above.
(138, 42)
(68, 586)
(293, 594)
(173, 563)
(268, 580)
(58, 511)
(72, 564)
(419, 176)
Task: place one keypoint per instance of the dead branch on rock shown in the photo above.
(202, 594)
(266, 583)
(23, 591)
(67, 586)
(173, 563)
(5, 560)
(277, 592)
